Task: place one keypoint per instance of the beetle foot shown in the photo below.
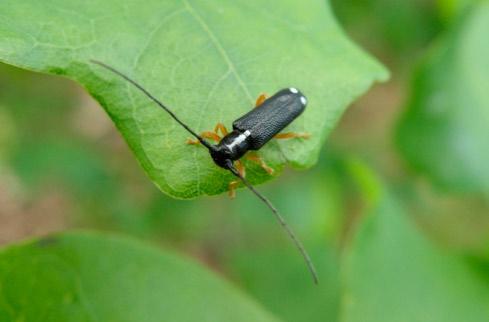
(257, 159)
(206, 135)
(292, 135)
(260, 99)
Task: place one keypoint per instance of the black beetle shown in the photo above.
(250, 132)
(260, 125)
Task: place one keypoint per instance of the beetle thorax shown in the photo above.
(232, 147)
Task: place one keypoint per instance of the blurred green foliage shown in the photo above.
(444, 133)
(393, 273)
(395, 30)
(397, 248)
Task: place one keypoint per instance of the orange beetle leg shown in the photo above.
(206, 135)
(292, 135)
(257, 159)
(234, 184)
(260, 99)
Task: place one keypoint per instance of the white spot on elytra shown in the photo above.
(303, 100)
(293, 90)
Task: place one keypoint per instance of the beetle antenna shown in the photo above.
(209, 146)
(281, 220)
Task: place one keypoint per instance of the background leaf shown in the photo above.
(89, 277)
(444, 133)
(393, 273)
(288, 291)
(208, 60)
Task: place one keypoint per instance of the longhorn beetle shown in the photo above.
(250, 132)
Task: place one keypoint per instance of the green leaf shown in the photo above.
(449, 9)
(392, 273)
(287, 291)
(207, 60)
(90, 277)
(444, 134)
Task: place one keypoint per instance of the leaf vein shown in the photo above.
(219, 47)
(153, 32)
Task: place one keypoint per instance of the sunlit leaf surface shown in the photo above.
(208, 60)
